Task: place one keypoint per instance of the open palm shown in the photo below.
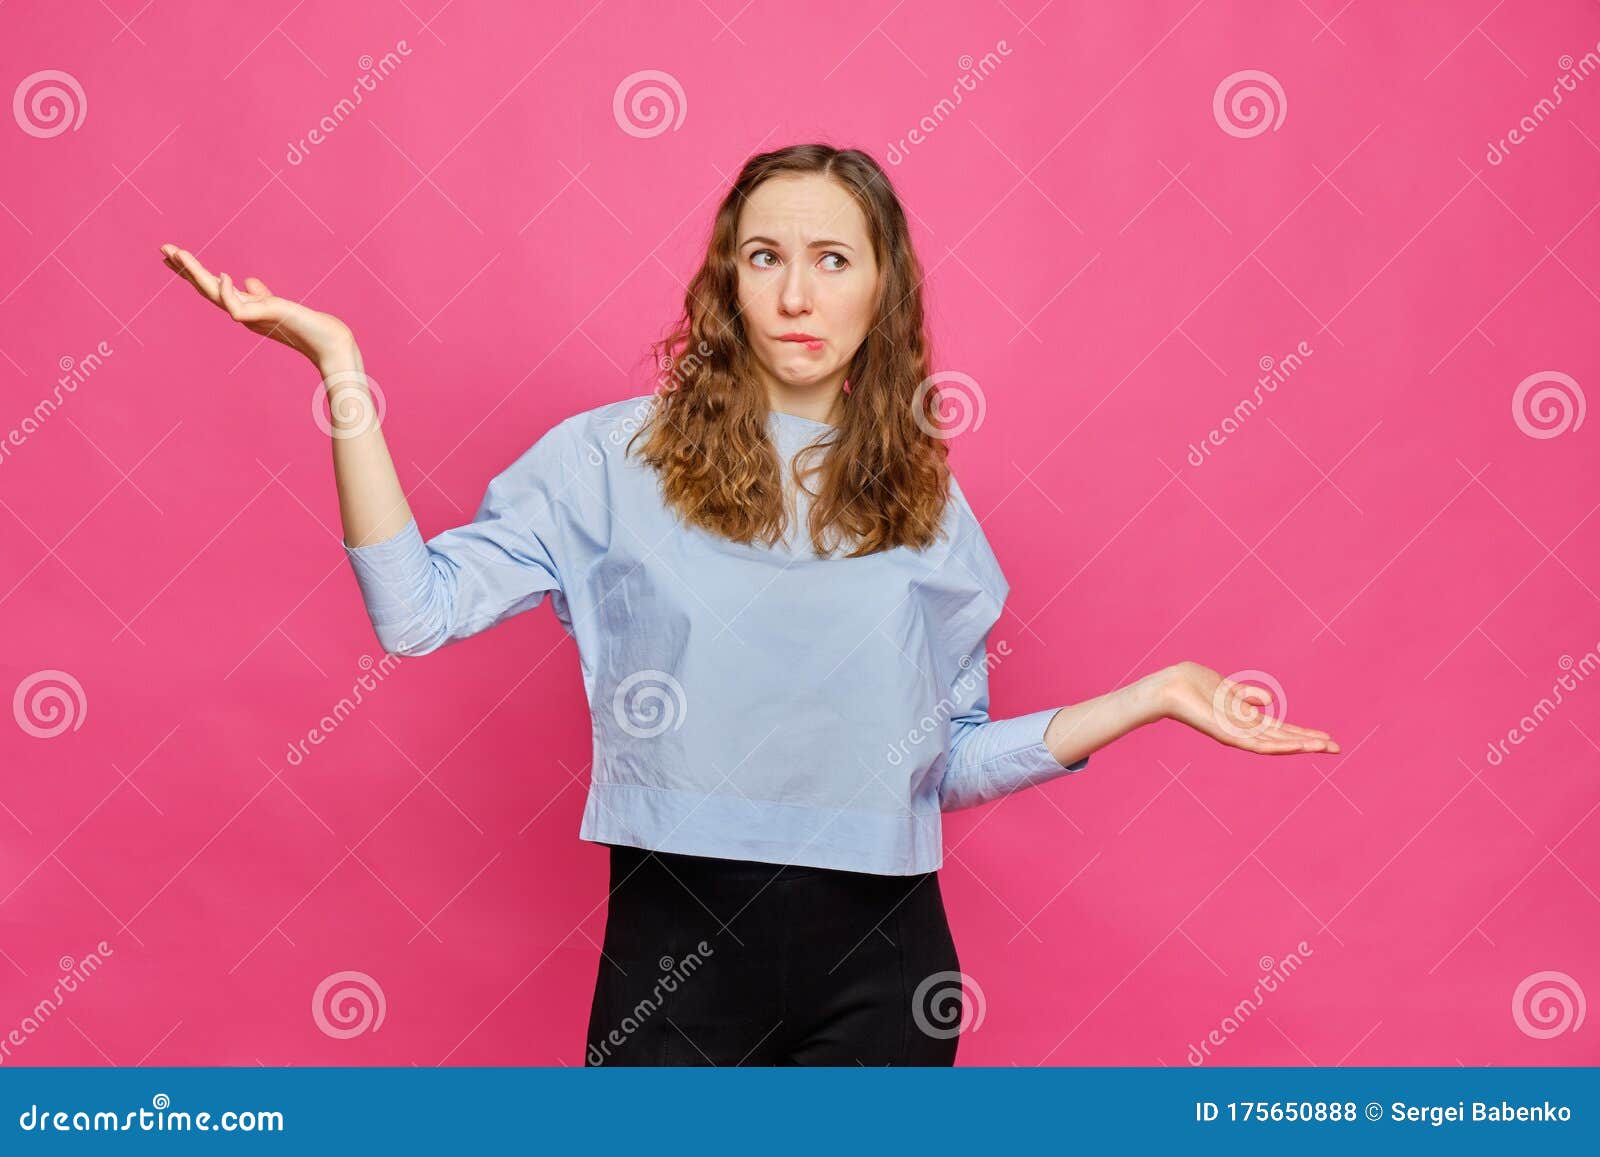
(1232, 713)
(308, 331)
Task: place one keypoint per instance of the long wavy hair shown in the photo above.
(884, 478)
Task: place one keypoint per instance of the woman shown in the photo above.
(782, 603)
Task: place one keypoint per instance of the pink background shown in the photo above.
(1384, 536)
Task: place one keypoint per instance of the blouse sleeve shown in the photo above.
(986, 758)
(423, 595)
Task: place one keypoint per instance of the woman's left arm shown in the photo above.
(1192, 694)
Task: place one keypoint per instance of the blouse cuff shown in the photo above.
(385, 571)
(1038, 757)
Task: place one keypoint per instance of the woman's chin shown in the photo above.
(800, 375)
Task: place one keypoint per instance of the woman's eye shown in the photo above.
(840, 256)
(756, 256)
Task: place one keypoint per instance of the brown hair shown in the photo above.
(885, 481)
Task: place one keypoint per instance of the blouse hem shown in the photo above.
(731, 826)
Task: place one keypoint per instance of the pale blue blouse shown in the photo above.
(747, 703)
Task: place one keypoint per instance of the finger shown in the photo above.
(1309, 745)
(1288, 732)
(200, 276)
(238, 308)
(1287, 744)
(169, 256)
(1236, 700)
(1250, 693)
(1312, 735)
(1274, 747)
(256, 285)
(1309, 732)
(230, 298)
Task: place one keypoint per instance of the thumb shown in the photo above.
(256, 285)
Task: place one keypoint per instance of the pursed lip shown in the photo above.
(798, 337)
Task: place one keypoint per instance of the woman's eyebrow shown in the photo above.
(825, 244)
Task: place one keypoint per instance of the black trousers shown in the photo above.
(711, 961)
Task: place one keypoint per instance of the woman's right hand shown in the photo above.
(321, 337)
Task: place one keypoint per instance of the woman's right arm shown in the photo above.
(419, 595)
(372, 506)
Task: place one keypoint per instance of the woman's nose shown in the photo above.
(795, 293)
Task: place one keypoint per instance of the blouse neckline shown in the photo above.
(798, 420)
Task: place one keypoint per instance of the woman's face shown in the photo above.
(806, 266)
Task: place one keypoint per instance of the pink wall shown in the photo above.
(1411, 558)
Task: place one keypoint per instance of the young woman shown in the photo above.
(782, 602)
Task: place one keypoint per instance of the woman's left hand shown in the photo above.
(1228, 712)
